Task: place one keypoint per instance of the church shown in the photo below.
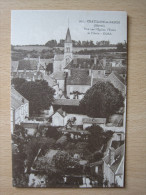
(62, 60)
(75, 73)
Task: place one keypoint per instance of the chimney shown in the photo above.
(39, 59)
(95, 60)
(111, 156)
(104, 62)
(69, 72)
(64, 113)
(90, 72)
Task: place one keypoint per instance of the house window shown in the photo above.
(26, 108)
(96, 169)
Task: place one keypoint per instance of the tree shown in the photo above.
(120, 47)
(38, 93)
(51, 43)
(97, 138)
(20, 179)
(52, 132)
(101, 100)
(63, 160)
(49, 68)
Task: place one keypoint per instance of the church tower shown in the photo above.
(68, 48)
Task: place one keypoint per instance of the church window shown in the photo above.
(67, 49)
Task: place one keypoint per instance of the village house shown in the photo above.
(19, 108)
(68, 105)
(63, 116)
(30, 69)
(113, 167)
(60, 118)
(31, 128)
(78, 82)
(59, 77)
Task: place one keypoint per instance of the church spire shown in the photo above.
(68, 36)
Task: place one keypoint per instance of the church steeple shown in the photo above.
(68, 48)
(68, 37)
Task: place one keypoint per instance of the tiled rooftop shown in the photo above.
(66, 102)
(17, 99)
(27, 65)
(79, 77)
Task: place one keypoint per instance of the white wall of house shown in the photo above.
(98, 73)
(58, 120)
(119, 180)
(118, 136)
(79, 88)
(18, 115)
(108, 174)
(61, 84)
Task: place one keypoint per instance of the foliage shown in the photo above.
(19, 139)
(61, 142)
(52, 132)
(38, 93)
(51, 43)
(49, 68)
(63, 160)
(120, 47)
(101, 100)
(96, 156)
(97, 138)
(34, 146)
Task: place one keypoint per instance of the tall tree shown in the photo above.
(97, 138)
(101, 100)
(38, 93)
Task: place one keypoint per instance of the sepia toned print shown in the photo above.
(68, 98)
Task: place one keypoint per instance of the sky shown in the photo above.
(30, 27)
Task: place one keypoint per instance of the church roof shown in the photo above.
(80, 63)
(68, 36)
(79, 77)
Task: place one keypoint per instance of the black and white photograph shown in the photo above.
(68, 98)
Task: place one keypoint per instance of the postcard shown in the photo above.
(68, 98)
